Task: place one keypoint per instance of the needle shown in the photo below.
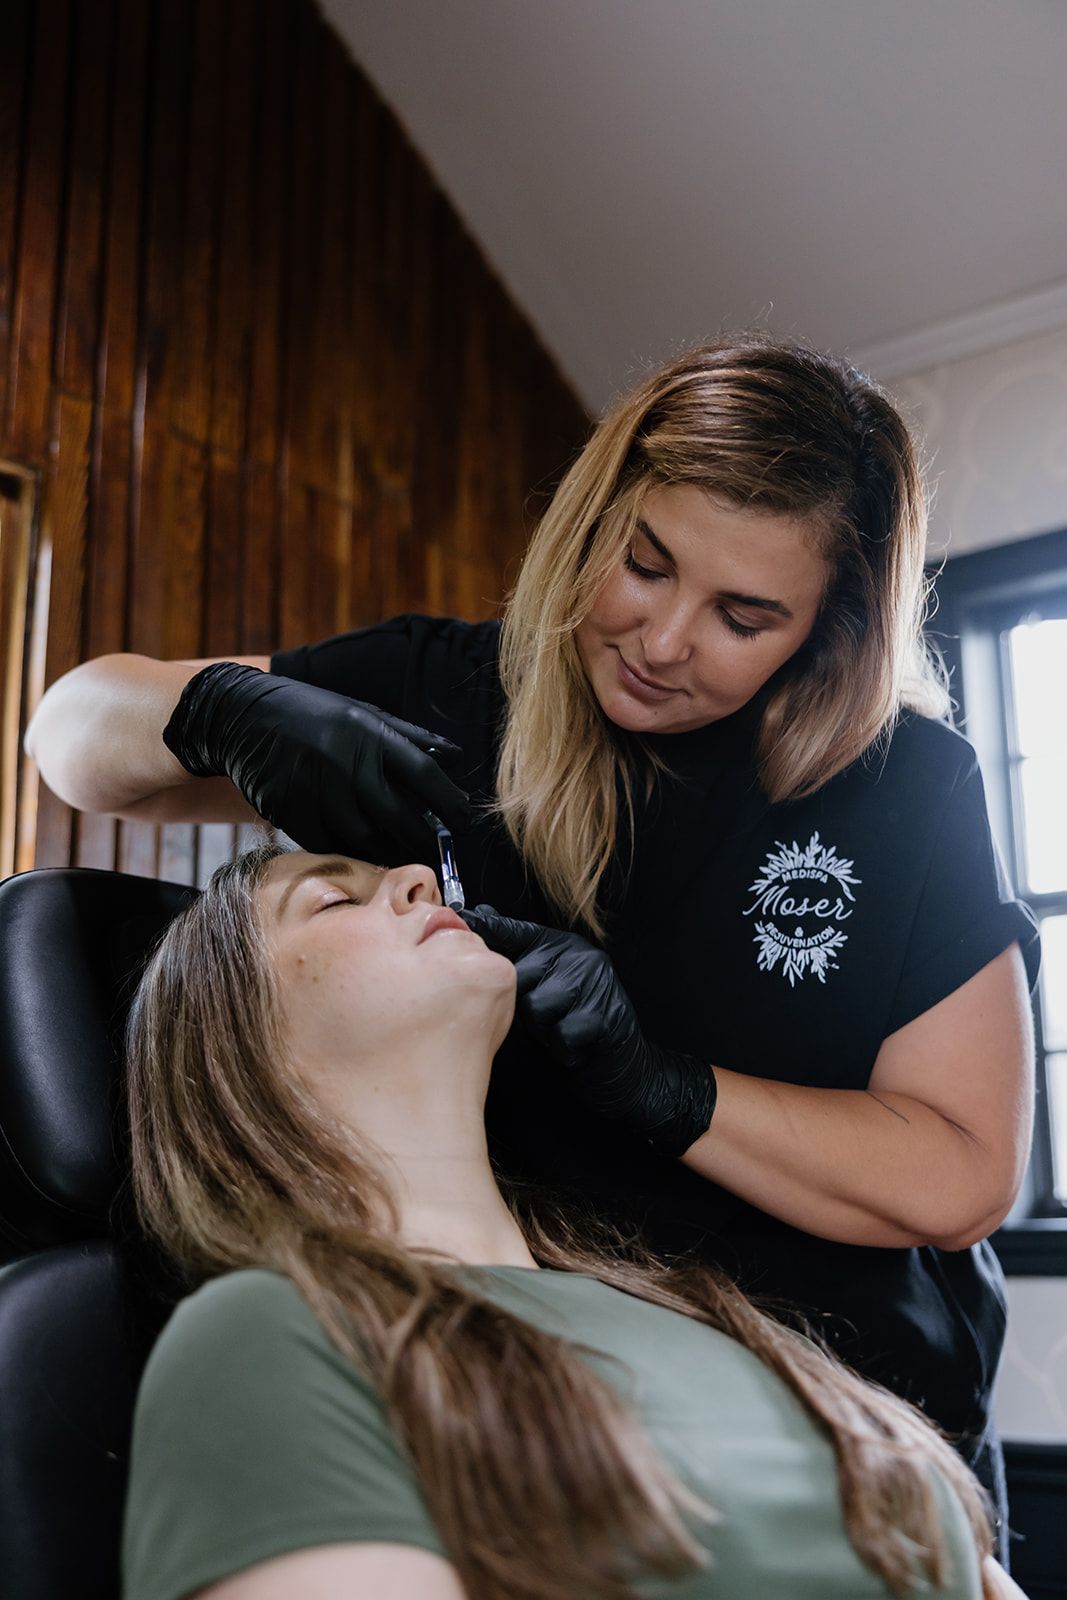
(451, 887)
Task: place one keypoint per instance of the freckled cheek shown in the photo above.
(614, 607)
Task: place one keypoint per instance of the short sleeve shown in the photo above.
(414, 666)
(254, 1436)
(967, 912)
(367, 663)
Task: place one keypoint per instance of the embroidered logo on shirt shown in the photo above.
(800, 895)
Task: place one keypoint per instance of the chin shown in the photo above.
(633, 718)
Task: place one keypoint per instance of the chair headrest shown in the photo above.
(73, 943)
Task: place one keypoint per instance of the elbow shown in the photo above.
(988, 1185)
(979, 1221)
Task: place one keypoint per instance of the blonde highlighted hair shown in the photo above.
(541, 1483)
(766, 424)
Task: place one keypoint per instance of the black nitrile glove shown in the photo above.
(332, 773)
(570, 998)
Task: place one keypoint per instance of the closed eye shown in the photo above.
(735, 627)
(642, 572)
(739, 627)
(328, 905)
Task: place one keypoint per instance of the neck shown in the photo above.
(428, 1120)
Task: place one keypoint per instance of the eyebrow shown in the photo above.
(332, 866)
(760, 602)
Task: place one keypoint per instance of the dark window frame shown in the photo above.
(979, 595)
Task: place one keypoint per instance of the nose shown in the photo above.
(666, 636)
(407, 887)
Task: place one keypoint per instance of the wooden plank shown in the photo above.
(176, 845)
(296, 500)
(14, 80)
(201, 220)
(335, 544)
(64, 510)
(233, 306)
(265, 480)
(330, 404)
(182, 556)
(78, 312)
(137, 851)
(117, 434)
(439, 332)
(222, 569)
(303, 254)
(476, 426)
(504, 485)
(393, 445)
(458, 587)
(297, 568)
(63, 517)
(166, 136)
(369, 336)
(230, 352)
(274, 38)
(116, 456)
(217, 843)
(260, 625)
(40, 230)
(362, 603)
(159, 328)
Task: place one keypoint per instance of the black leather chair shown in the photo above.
(82, 1296)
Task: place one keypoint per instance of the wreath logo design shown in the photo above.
(812, 884)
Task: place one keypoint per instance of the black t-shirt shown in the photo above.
(784, 941)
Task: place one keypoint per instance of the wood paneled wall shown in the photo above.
(270, 386)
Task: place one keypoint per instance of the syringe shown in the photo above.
(451, 888)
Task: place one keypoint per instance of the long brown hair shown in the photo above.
(235, 1165)
(767, 424)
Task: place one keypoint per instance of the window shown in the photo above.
(1001, 623)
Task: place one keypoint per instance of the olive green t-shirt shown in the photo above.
(254, 1436)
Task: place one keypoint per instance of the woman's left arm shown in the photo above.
(932, 1152)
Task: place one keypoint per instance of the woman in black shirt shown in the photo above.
(709, 740)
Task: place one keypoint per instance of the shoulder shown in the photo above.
(934, 741)
(478, 640)
(236, 1299)
(917, 754)
(232, 1335)
(397, 639)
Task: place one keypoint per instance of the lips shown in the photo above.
(649, 683)
(441, 917)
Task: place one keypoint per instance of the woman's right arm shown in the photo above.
(227, 741)
(341, 1571)
(999, 1584)
(97, 739)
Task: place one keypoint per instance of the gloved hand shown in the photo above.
(332, 773)
(570, 998)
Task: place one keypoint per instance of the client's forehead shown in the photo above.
(285, 874)
(296, 864)
(287, 866)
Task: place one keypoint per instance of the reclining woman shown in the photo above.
(397, 1376)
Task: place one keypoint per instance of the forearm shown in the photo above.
(97, 734)
(999, 1585)
(845, 1164)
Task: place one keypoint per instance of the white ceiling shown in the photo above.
(887, 178)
